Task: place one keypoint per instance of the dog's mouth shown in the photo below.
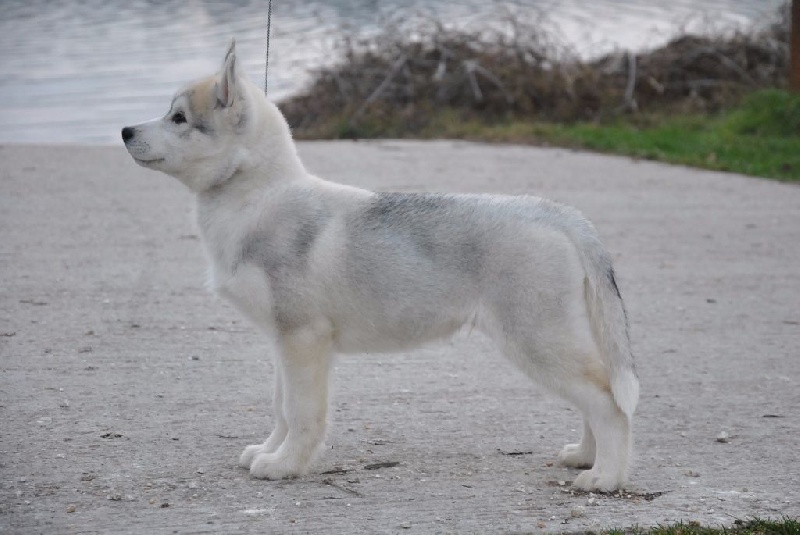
(142, 161)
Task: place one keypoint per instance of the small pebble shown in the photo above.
(71, 508)
(577, 512)
(723, 437)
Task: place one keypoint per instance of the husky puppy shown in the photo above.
(327, 268)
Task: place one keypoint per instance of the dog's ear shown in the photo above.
(226, 88)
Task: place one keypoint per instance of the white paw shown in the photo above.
(575, 456)
(597, 481)
(272, 466)
(250, 453)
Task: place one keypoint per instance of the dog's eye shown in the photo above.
(179, 118)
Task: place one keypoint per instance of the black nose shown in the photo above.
(127, 133)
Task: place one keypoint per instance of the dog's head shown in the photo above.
(205, 137)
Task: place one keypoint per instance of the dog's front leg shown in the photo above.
(278, 434)
(304, 367)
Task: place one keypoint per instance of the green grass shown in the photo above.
(761, 137)
(786, 526)
(691, 142)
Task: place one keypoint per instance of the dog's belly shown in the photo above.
(369, 337)
(378, 326)
(366, 330)
(360, 341)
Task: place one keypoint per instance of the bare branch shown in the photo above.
(377, 93)
(630, 102)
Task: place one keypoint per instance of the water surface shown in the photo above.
(74, 72)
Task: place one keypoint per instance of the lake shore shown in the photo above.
(716, 101)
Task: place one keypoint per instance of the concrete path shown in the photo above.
(127, 391)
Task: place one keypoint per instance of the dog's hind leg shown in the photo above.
(278, 434)
(558, 351)
(580, 455)
(305, 365)
(578, 377)
(611, 430)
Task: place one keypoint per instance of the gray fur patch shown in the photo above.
(394, 208)
(305, 237)
(202, 127)
(423, 223)
(285, 260)
(241, 120)
(286, 248)
(260, 248)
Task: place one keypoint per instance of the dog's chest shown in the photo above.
(226, 235)
(245, 285)
(249, 290)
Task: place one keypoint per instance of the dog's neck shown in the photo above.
(269, 158)
(249, 184)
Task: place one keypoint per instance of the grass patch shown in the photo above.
(760, 137)
(708, 147)
(785, 526)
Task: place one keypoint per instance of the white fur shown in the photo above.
(325, 268)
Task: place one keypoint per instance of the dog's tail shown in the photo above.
(607, 316)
